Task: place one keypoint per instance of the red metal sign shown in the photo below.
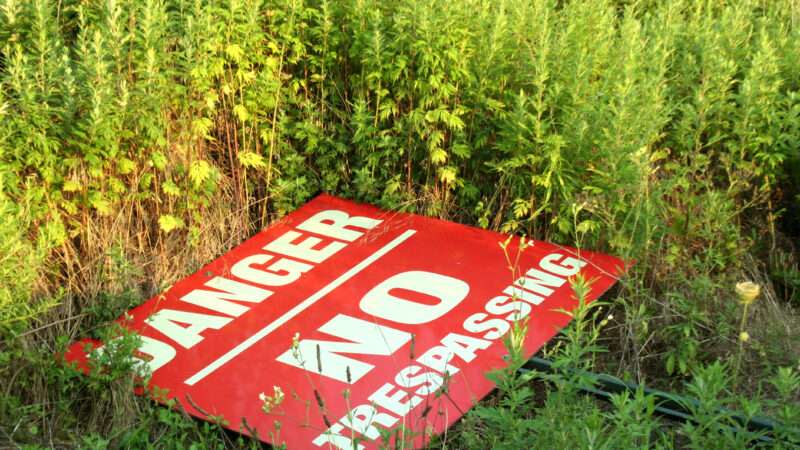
(352, 322)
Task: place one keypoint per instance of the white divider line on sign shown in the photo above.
(249, 342)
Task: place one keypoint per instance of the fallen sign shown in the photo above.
(362, 325)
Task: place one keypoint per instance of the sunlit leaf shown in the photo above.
(168, 223)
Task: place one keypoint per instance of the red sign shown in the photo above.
(343, 322)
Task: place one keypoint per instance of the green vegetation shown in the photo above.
(141, 138)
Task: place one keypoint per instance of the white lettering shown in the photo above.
(394, 402)
(476, 324)
(464, 346)
(522, 294)
(380, 302)
(334, 223)
(281, 273)
(408, 378)
(166, 321)
(304, 249)
(566, 268)
(362, 417)
(365, 338)
(332, 437)
(437, 358)
(540, 282)
(232, 290)
(503, 304)
(160, 352)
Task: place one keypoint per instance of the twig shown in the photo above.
(196, 406)
(29, 332)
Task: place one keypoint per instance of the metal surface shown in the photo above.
(364, 320)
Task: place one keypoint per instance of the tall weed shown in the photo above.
(157, 133)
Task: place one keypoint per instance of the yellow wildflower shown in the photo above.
(747, 292)
(744, 336)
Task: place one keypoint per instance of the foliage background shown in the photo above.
(139, 139)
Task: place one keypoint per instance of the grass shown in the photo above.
(140, 139)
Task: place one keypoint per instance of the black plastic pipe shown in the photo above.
(669, 405)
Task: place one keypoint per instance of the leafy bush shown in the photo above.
(155, 134)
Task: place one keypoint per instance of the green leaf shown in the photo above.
(71, 186)
(171, 188)
(116, 185)
(447, 174)
(586, 226)
(125, 166)
(251, 159)
(521, 208)
(168, 222)
(199, 172)
(202, 127)
(146, 181)
(461, 150)
(241, 112)
(438, 156)
(159, 160)
(211, 100)
(234, 52)
(100, 203)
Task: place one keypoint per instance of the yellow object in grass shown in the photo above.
(744, 336)
(747, 291)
